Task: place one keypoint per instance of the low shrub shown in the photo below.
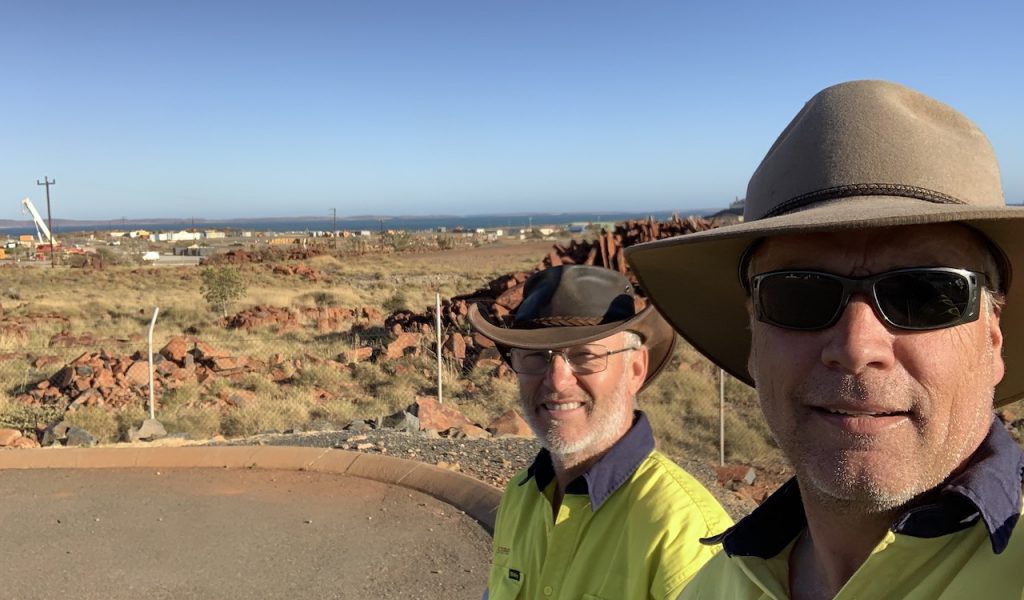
(320, 376)
(27, 417)
(195, 422)
(101, 422)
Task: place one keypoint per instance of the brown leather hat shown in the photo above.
(578, 304)
(861, 154)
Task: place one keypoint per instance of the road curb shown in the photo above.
(475, 498)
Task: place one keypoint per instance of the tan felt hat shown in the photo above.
(861, 154)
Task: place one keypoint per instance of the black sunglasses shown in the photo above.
(921, 298)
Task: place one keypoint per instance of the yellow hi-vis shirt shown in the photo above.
(628, 529)
(961, 546)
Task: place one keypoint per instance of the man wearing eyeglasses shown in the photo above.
(600, 513)
(866, 297)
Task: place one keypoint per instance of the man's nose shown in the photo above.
(559, 373)
(859, 340)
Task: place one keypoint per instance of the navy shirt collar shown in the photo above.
(989, 488)
(607, 474)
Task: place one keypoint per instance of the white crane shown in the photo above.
(42, 231)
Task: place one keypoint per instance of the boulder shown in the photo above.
(400, 421)
(150, 430)
(225, 363)
(358, 426)
(489, 357)
(510, 424)
(138, 373)
(105, 379)
(63, 378)
(56, 433)
(46, 360)
(455, 346)
(8, 437)
(467, 431)
(404, 343)
(436, 416)
(482, 341)
(205, 351)
(359, 354)
(24, 442)
(80, 437)
(733, 474)
(176, 349)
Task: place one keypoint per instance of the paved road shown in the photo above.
(230, 533)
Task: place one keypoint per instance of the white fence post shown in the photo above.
(440, 397)
(721, 417)
(152, 324)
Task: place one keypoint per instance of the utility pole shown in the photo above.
(49, 221)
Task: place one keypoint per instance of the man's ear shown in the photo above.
(995, 333)
(637, 369)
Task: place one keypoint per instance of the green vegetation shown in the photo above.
(221, 287)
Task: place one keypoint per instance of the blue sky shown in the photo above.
(242, 109)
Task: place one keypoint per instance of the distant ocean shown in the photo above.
(412, 223)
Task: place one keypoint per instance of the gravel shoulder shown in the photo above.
(493, 460)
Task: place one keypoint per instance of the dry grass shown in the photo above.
(116, 305)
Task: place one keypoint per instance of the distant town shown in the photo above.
(152, 240)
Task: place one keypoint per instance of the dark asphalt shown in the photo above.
(230, 533)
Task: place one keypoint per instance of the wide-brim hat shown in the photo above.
(571, 305)
(862, 154)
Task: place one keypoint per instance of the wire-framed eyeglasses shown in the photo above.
(582, 360)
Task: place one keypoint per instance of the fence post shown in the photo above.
(152, 406)
(721, 417)
(440, 397)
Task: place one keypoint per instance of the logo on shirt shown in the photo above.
(514, 575)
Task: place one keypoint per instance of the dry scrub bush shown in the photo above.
(325, 377)
(683, 409)
(368, 375)
(258, 384)
(184, 395)
(179, 317)
(490, 399)
(101, 422)
(264, 417)
(25, 417)
(683, 406)
(335, 413)
(317, 299)
(193, 421)
(396, 394)
(396, 301)
(216, 386)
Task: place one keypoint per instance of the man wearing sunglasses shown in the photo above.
(600, 513)
(868, 298)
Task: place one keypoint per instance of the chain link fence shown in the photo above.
(233, 382)
(228, 382)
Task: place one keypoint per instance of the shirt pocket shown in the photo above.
(508, 589)
(506, 581)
